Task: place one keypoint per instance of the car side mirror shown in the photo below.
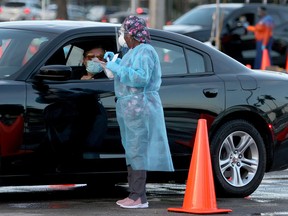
(54, 72)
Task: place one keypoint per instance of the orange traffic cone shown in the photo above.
(199, 195)
(265, 60)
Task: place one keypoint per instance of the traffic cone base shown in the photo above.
(200, 211)
(200, 195)
(265, 60)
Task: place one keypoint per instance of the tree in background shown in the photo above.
(62, 9)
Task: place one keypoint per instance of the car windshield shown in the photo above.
(201, 16)
(17, 48)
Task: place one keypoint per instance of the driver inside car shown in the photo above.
(93, 69)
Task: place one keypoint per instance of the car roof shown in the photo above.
(268, 6)
(56, 26)
(239, 5)
(23, 1)
(230, 5)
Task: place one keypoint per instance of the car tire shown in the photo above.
(238, 156)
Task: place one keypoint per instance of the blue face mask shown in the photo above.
(94, 67)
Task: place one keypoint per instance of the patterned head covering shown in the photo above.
(136, 27)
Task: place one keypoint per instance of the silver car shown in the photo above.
(20, 10)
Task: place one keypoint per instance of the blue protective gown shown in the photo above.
(139, 110)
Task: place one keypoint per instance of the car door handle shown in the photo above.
(210, 93)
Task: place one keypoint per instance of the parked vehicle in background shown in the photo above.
(100, 13)
(280, 35)
(75, 12)
(119, 17)
(235, 41)
(56, 128)
(20, 10)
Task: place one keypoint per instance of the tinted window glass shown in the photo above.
(171, 57)
(15, 4)
(201, 16)
(36, 44)
(36, 6)
(17, 48)
(195, 62)
(284, 15)
(282, 29)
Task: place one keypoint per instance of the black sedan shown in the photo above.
(57, 128)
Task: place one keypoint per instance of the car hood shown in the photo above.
(182, 29)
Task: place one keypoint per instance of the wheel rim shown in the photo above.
(238, 158)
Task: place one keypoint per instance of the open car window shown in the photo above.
(72, 53)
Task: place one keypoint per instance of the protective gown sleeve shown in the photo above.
(139, 73)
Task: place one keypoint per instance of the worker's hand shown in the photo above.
(118, 60)
(109, 56)
(113, 66)
(263, 47)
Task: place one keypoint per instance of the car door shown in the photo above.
(190, 91)
(64, 115)
(237, 42)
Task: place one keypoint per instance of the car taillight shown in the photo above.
(1, 9)
(139, 10)
(169, 22)
(27, 11)
(104, 19)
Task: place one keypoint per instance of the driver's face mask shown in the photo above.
(94, 67)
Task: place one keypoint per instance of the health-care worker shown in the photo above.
(263, 32)
(137, 79)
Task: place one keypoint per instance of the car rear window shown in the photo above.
(202, 16)
(174, 61)
(172, 58)
(15, 4)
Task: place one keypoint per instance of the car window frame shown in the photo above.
(186, 48)
(60, 42)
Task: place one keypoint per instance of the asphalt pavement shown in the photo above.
(270, 199)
